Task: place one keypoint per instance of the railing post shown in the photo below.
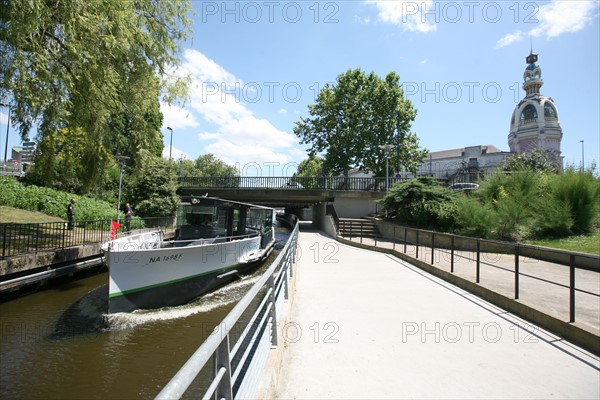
(394, 239)
(478, 261)
(417, 244)
(361, 232)
(572, 288)
(221, 360)
(4, 240)
(405, 240)
(432, 246)
(273, 312)
(374, 235)
(517, 271)
(452, 254)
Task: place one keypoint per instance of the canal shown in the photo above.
(59, 343)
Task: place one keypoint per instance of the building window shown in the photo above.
(549, 111)
(529, 114)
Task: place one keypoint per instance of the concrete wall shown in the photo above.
(354, 208)
(28, 262)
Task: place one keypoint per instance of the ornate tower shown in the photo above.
(535, 124)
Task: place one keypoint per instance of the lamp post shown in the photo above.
(582, 157)
(387, 148)
(7, 130)
(121, 160)
(171, 142)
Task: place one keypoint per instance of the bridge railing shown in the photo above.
(282, 182)
(508, 264)
(16, 239)
(239, 345)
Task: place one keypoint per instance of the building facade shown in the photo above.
(535, 125)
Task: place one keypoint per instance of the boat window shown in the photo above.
(259, 219)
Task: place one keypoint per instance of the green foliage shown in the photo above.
(353, 117)
(473, 218)
(51, 202)
(579, 193)
(421, 202)
(208, 165)
(153, 188)
(537, 161)
(515, 206)
(98, 66)
(307, 170)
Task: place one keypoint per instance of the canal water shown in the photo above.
(59, 343)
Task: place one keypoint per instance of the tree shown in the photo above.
(152, 189)
(308, 170)
(94, 65)
(354, 117)
(208, 165)
(312, 166)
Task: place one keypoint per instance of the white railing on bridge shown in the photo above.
(282, 182)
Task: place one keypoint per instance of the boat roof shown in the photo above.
(216, 201)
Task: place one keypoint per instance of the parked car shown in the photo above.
(459, 187)
(292, 185)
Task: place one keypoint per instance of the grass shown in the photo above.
(589, 243)
(14, 215)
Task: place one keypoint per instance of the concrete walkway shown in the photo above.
(368, 325)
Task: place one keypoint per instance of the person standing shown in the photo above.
(71, 214)
(128, 217)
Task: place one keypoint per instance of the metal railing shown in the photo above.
(16, 239)
(238, 362)
(508, 264)
(275, 182)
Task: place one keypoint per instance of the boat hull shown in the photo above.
(149, 278)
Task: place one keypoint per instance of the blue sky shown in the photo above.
(257, 65)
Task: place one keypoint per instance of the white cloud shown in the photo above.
(176, 154)
(509, 39)
(282, 111)
(236, 134)
(556, 18)
(177, 117)
(560, 17)
(411, 15)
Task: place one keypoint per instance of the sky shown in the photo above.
(257, 65)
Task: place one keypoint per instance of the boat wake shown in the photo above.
(220, 298)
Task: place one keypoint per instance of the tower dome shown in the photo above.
(535, 124)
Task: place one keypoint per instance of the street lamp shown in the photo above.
(7, 130)
(582, 157)
(121, 160)
(387, 148)
(171, 142)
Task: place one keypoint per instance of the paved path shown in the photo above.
(368, 325)
(544, 286)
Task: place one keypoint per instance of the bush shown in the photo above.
(580, 192)
(475, 219)
(421, 202)
(51, 202)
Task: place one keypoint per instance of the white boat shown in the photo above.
(215, 241)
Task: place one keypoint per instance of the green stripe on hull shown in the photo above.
(112, 295)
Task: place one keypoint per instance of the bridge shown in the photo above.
(353, 197)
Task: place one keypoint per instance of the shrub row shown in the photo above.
(523, 205)
(51, 202)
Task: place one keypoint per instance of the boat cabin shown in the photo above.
(221, 220)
